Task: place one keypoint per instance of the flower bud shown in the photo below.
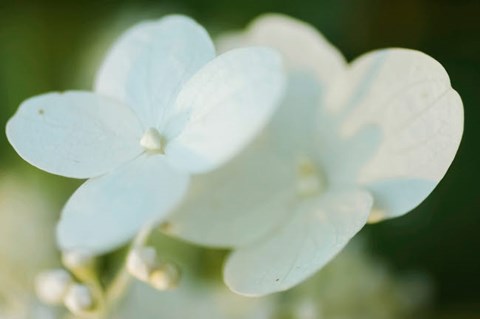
(164, 277)
(79, 299)
(77, 259)
(141, 262)
(51, 286)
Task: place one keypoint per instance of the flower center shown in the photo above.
(153, 141)
(310, 181)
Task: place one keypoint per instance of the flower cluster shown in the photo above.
(277, 148)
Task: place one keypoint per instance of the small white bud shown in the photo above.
(165, 276)
(141, 262)
(51, 286)
(76, 259)
(79, 299)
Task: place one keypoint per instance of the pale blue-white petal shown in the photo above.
(407, 95)
(302, 125)
(107, 211)
(320, 228)
(149, 64)
(253, 193)
(312, 64)
(239, 202)
(301, 45)
(223, 107)
(75, 134)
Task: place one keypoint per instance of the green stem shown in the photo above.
(119, 285)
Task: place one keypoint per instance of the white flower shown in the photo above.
(163, 108)
(351, 142)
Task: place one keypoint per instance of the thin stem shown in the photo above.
(122, 280)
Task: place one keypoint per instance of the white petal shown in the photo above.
(149, 64)
(312, 65)
(106, 212)
(320, 228)
(252, 194)
(239, 202)
(75, 134)
(294, 125)
(302, 46)
(224, 106)
(407, 95)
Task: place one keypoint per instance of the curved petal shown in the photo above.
(302, 46)
(75, 134)
(237, 203)
(253, 193)
(106, 212)
(149, 64)
(407, 95)
(224, 106)
(320, 228)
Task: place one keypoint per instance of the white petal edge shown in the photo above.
(302, 46)
(407, 95)
(320, 228)
(223, 107)
(106, 212)
(148, 65)
(74, 134)
(395, 197)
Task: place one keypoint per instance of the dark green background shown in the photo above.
(44, 46)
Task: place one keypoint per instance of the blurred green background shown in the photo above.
(57, 45)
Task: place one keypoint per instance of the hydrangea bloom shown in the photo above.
(351, 143)
(163, 108)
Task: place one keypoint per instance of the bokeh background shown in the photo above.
(57, 45)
